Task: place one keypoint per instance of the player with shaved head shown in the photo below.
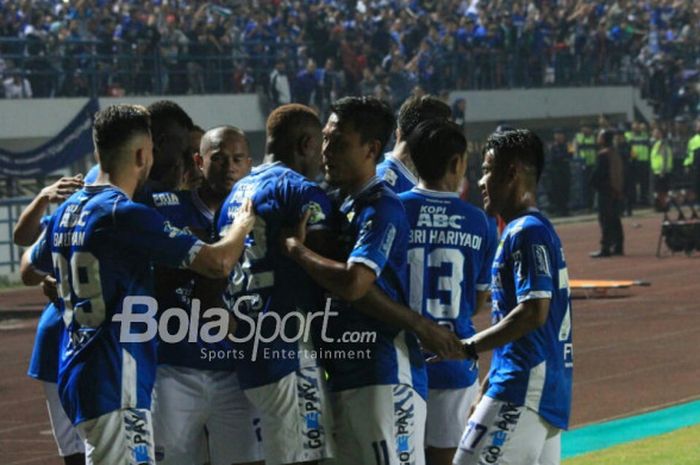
(198, 399)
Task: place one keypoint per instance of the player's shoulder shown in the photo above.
(531, 227)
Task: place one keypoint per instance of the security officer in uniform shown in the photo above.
(641, 148)
(692, 161)
(585, 149)
(662, 167)
(559, 174)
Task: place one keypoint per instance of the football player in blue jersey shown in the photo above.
(397, 168)
(43, 364)
(526, 398)
(450, 252)
(99, 245)
(197, 398)
(379, 382)
(278, 375)
(170, 127)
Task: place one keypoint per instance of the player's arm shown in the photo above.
(30, 275)
(526, 317)
(349, 281)
(218, 259)
(433, 337)
(28, 226)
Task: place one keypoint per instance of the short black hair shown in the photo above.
(432, 145)
(166, 111)
(113, 129)
(285, 125)
(520, 145)
(417, 109)
(369, 116)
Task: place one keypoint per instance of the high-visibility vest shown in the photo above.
(693, 146)
(640, 143)
(661, 158)
(586, 148)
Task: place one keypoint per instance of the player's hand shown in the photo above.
(48, 286)
(245, 216)
(62, 189)
(289, 237)
(440, 341)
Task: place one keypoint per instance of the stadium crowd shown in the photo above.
(314, 51)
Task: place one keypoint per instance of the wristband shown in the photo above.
(470, 350)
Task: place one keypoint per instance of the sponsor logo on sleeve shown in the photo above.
(317, 214)
(542, 268)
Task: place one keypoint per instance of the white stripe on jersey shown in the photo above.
(129, 396)
(402, 362)
(535, 386)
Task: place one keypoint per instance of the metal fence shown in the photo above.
(10, 254)
(79, 68)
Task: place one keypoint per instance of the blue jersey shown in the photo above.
(535, 370)
(271, 281)
(396, 174)
(450, 253)
(43, 364)
(176, 288)
(374, 232)
(99, 246)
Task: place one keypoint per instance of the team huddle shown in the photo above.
(314, 309)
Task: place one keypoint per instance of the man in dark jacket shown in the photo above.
(559, 174)
(608, 180)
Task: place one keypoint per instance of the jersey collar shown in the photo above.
(402, 167)
(432, 193)
(199, 204)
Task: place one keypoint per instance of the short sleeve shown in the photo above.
(40, 255)
(141, 227)
(378, 229)
(532, 256)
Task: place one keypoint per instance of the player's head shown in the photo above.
(353, 139)
(418, 109)
(171, 128)
(224, 158)
(513, 163)
(439, 151)
(192, 176)
(294, 138)
(122, 138)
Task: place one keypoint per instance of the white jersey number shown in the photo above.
(450, 283)
(82, 277)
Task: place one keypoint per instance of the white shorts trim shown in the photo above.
(379, 425)
(448, 411)
(121, 437)
(296, 417)
(186, 402)
(67, 438)
(501, 433)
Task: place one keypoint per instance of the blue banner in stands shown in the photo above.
(71, 144)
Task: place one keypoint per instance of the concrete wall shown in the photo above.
(546, 103)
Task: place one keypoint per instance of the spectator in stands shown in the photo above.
(306, 88)
(16, 86)
(279, 91)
